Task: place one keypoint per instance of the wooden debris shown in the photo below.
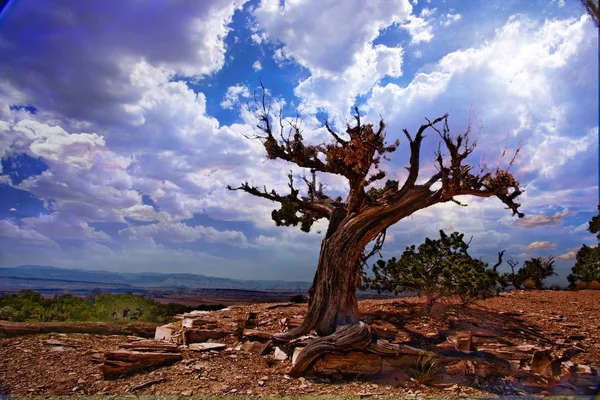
(146, 384)
(252, 346)
(168, 332)
(207, 346)
(124, 362)
(540, 360)
(151, 346)
(291, 323)
(202, 335)
(257, 335)
(53, 342)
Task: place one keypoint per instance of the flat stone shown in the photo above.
(207, 346)
(279, 354)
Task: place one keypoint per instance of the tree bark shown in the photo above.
(332, 296)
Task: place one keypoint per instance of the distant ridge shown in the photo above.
(49, 276)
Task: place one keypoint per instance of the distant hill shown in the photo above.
(39, 276)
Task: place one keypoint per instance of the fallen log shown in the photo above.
(122, 363)
(11, 329)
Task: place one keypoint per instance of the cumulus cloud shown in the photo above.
(256, 66)
(542, 245)
(420, 27)
(571, 255)
(232, 97)
(9, 232)
(180, 233)
(340, 56)
(534, 221)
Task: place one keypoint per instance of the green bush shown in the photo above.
(31, 306)
(441, 267)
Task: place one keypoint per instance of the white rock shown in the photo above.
(206, 346)
(279, 354)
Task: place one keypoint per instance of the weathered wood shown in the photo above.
(146, 384)
(207, 346)
(195, 322)
(291, 323)
(11, 329)
(122, 363)
(202, 335)
(168, 332)
(150, 346)
(388, 331)
(260, 336)
(352, 363)
(346, 338)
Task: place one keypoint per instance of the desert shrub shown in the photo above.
(426, 370)
(31, 306)
(587, 266)
(298, 299)
(536, 270)
(594, 285)
(529, 284)
(555, 286)
(581, 285)
(440, 267)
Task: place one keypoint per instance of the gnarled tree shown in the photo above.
(364, 215)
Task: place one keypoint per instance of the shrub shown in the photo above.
(529, 284)
(426, 370)
(581, 285)
(438, 268)
(594, 285)
(298, 299)
(587, 265)
(555, 286)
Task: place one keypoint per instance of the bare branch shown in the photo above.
(335, 135)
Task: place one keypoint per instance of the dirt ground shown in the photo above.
(65, 364)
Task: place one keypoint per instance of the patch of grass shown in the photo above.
(426, 369)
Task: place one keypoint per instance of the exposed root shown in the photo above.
(295, 333)
(345, 338)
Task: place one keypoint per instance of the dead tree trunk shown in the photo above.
(363, 215)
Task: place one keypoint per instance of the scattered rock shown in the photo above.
(280, 354)
(207, 346)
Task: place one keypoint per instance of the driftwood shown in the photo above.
(121, 363)
(348, 337)
(146, 384)
(10, 329)
(151, 346)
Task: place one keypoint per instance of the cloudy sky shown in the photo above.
(122, 123)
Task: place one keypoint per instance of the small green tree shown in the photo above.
(440, 267)
(537, 269)
(587, 266)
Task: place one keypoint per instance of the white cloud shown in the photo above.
(534, 221)
(24, 235)
(340, 56)
(571, 255)
(450, 18)
(232, 97)
(541, 245)
(257, 66)
(180, 233)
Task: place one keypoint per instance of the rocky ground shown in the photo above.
(516, 324)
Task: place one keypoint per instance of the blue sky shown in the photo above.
(122, 123)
